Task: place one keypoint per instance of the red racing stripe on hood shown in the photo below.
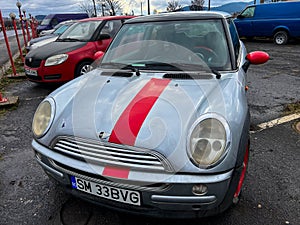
(131, 120)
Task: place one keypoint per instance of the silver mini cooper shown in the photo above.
(161, 125)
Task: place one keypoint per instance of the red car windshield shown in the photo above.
(82, 31)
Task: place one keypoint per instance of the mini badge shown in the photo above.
(103, 135)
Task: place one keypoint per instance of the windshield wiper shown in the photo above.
(133, 68)
(218, 75)
(182, 67)
(68, 39)
(121, 66)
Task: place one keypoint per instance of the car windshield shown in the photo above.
(61, 29)
(169, 45)
(46, 21)
(82, 31)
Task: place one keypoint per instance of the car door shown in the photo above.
(244, 22)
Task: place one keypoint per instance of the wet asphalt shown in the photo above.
(270, 195)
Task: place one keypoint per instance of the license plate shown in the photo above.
(31, 72)
(108, 192)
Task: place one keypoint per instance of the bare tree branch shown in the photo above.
(197, 5)
(173, 6)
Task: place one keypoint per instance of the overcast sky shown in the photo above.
(37, 7)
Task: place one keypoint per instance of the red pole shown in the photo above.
(23, 32)
(2, 100)
(17, 37)
(7, 45)
(26, 25)
(32, 29)
(31, 20)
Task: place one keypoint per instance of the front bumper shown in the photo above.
(50, 74)
(170, 195)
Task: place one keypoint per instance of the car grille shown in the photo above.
(111, 154)
(136, 185)
(32, 62)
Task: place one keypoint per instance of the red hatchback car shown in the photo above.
(72, 54)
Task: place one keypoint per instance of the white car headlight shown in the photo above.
(56, 59)
(28, 44)
(208, 140)
(43, 117)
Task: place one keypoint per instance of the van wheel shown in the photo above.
(83, 68)
(281, 37)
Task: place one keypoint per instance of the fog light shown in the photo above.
(199, 189)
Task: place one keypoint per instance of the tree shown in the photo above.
(197, 5)
(173, 6)
(87, 7)
(112, 6)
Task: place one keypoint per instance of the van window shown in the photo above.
(46, 21)
(54, 22)
(248, 12)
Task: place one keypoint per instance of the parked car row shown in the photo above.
(72, 53)
(50, 37)
(161, 127)
(60, 61)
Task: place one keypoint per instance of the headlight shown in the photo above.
(28, 44)
(208, 140)
(56, 59)
(43, 117)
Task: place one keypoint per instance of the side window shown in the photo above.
(234, 38)
(111, 27)
(248, 12)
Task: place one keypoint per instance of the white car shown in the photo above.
(50, 37)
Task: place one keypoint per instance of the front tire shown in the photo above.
(281, 37)
(83, 68)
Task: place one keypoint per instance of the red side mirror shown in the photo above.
(258, 57)
(98, 55)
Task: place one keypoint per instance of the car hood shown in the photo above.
(145, 111)
(43, 42)
(35, 40)
(54, 48)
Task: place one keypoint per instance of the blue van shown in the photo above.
(280, 20)
(50, 21)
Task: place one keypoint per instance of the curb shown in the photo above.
(11, 101)
(17, 76)
(7, 65)
(7, 102)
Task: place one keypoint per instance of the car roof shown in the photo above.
(189, 15)
(106, 18)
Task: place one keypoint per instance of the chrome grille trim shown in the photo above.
(162, 187)
(111, 154)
